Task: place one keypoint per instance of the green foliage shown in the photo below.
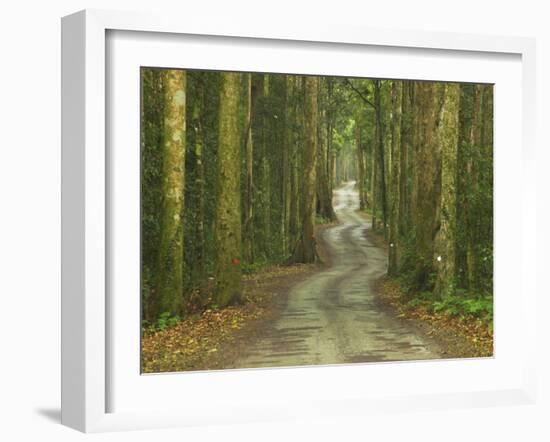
(253, 267)
(320, 220)
(458, 305)
(425, 298)
(164, 321)
(416, 302)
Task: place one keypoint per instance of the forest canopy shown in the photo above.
(237, 169)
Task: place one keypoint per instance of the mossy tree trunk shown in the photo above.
(463, 160)
(394, 243)
(361, 170)
(296, 117)
(445, 242)
(169, 274)
(380, 152)
(287, 165)
(306, 249)
(331, 114)
(474, 210)
(374, 186)
(227, 229)
(427, 101)
(485, 220)
(198, 126)
(324, 194)
(264, 181)
(404, 159)
(248, 241)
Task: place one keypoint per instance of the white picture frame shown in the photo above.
(86, 356)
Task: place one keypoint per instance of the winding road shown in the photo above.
(332, 317)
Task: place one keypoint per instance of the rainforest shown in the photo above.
(300, 220)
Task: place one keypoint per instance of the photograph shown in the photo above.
(303, 220)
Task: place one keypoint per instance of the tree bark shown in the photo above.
(169, 275)
(324, 194)
(287, 164)
(265, 171)
(393, 254)
(404, 159)
(427, 97)
(295, 181)
(473, 171)
(227, 230)
(380, 154)
(198, 124)
(374, 177)
(248, 240)
(306, 251)
(448, 137)
(361, 181)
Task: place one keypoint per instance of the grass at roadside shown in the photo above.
(459, 336)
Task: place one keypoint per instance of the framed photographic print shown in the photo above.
(264, 223)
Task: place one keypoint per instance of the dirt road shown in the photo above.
(332, 317)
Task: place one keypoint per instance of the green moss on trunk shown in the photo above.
(169, 274)
(227, 231)
(448, 136)
(427, 103)
(306, 247)
(396, 96)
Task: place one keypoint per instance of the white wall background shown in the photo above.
(30, 215)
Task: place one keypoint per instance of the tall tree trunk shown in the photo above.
(306, 250)
(198, 123)
(448, 137)
(169, 275)
(412, 157)
(330, 134)
(324, 194)
(487, 112)
(227, 231)
(380, 154)
(465, 123)
(473, 171)
(265, 171)
(287, 164)
(427, 98)
(486, 201)
(374, 178)
(404, 153)
(393, 255)
(295, 182)
(333, 170)
(361, 181)
(248, 239)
